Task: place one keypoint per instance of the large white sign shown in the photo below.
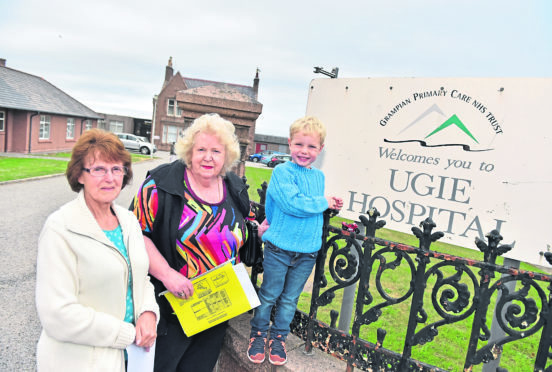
(471, 153)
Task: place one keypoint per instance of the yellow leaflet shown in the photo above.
(220, 294)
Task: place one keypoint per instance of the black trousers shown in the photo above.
(176, 352)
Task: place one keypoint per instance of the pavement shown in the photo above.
(25, 205)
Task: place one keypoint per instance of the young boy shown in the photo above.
(294, 206)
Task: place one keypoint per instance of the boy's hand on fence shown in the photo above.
(334, 203)
(338, 202)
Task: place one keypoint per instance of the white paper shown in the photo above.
(247, 286)
(140, 360)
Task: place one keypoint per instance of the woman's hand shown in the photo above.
(178, 284)
(146, 330)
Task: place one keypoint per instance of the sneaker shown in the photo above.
(277, 354)
(256, 349)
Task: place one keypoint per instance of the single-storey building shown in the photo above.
(264, 142)
(125, 124)
(36, 116)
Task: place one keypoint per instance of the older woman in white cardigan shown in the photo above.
(93, 293)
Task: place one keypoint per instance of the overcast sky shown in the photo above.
(111, 54)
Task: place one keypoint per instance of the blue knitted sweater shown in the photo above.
(294, 206)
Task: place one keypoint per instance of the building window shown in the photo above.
(44, 132)
(88, 125)
(70, 128)
(116, 126)
(173, 109)
(170, 134)
(170, 108)
(188, 123)
(2, 120)
(101, 124)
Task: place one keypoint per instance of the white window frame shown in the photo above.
(116, 126)
(87, 124)
(44, 131)
(102, 124)
(70, 129)
(170, 134)
(171, 105)
(172, 108)
(2, 120)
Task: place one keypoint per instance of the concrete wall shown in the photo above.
(233, 357)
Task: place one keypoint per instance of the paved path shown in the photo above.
(24, 207)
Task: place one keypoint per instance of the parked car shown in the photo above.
(266, 158)
(278, 159)
(137, 143)
(258, 156)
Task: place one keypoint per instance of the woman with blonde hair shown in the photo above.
(192, 214)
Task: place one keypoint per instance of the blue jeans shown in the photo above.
(285, 275)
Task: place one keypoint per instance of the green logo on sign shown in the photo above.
(456, 121)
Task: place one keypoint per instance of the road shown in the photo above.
(25, 206)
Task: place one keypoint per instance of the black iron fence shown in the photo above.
(434, 289)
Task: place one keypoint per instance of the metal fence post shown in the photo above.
(496, 331)
(346, 312)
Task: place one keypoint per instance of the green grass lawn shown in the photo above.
(21, 168)
(135, 157)
(255, 177)
(448, 349)
(56, 155)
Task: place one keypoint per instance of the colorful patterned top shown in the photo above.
(208, 234)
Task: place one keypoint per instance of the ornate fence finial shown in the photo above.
(425, 236)
(371, 222)
(262, 192)
(548, 256)
(492, 250)
(244, 179)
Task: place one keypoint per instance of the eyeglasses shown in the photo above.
(116, 171)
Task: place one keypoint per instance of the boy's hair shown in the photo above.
(310, 125)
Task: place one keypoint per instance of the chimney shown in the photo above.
(168, 71)
(2, 62)
(256, 83)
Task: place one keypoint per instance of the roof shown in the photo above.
(271, 139)
(217, 89)
(22, 91)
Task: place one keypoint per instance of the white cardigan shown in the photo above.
(81, 287)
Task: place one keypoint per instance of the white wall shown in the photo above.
(499, 179)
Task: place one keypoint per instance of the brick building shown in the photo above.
(36, 116)
(182, 99)
(264, 142)
(124, 124)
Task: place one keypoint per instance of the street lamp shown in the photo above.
(155, 98)
(333, 74)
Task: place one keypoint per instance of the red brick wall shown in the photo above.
(18, 123)
(161, 117)
(58, 133)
